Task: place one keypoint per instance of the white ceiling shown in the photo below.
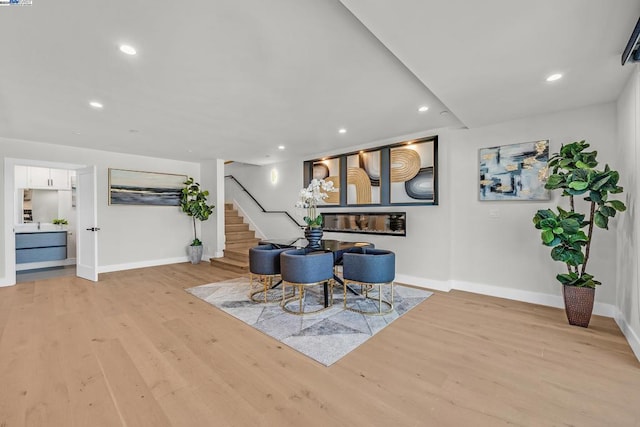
(235, 79)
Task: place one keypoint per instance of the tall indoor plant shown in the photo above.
(193, 202)
(573, 170)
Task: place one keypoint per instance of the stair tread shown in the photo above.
(226, 260)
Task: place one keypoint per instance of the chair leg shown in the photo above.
(301, 298)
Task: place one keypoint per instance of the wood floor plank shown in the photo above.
(133, 399)
(90, 399)
(94, 349)
(17, 359)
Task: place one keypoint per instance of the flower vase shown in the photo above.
(313, 236)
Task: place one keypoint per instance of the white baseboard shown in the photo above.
(600, 309)
(141, 264)
(5, 282)
(629, 333)
(420, 282)
(216, 254)
(45, 264)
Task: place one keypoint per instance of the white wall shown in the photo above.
(422, 256)
(130, 236)
(212, 179)
(458, 244)
(628, 286)
(506, 252)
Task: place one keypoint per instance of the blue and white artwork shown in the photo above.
(515, 171)
(128, 187)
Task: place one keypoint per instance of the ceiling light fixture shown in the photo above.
(554, 77)
(129, 50)
(342, 130)
(96, 104)
(423, 108)
(281, 147)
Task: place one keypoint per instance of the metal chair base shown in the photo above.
(300, 297)
(364, 292)
(264, 283)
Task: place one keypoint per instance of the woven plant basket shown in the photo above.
(578, 304)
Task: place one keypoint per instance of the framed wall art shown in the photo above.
(127, 187)
(329, 170)
(412, 172)
(398, 174)
(514, 172)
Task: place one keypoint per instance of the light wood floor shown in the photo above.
(137, 350)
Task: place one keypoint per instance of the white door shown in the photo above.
(87, 232)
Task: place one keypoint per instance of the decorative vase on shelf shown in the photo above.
(313, 236)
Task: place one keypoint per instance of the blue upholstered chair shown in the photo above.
(369, 268)
(264, 266)
(301, 269)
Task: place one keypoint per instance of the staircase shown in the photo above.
(238, 240)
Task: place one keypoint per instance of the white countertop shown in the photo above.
(33, 228)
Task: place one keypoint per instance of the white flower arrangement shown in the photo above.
(316, 192)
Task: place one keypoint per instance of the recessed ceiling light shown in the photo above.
(281, 147)
(342, 130)
(129, 50)
(423, 108)
(96, 104)
(133, 131)
(554, 77)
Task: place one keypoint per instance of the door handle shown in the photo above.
(93, 229)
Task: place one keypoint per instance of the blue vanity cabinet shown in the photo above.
(41, 246)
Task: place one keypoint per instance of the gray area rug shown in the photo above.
(326, 336)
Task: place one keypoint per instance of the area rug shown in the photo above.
(326, 336)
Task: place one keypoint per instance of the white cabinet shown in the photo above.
(21, 180)
(47, 178)
(59, 179)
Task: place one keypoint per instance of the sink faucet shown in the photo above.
(38, 225)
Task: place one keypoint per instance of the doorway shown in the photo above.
(24, 222)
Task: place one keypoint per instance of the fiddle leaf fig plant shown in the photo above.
(573, 171)
(193, 202)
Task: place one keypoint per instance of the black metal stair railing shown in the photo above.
(260, 206)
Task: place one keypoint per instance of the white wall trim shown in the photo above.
(45, 264)
(549, 300)
(216, 254)
(420, 282)
(141, 264)
(247, 218)
(632, 336)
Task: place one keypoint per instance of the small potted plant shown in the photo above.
(193, 202)
(309, 197)
(60, 222)
(573, 170)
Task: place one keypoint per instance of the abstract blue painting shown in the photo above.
(514, 172)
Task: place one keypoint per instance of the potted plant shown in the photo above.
(60, 222)
(193, 202)
(309, 197)
(573, 170)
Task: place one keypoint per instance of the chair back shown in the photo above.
(369, 266)
(265, 259)
(301, 266)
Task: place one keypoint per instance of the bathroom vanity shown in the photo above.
(40, 245)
